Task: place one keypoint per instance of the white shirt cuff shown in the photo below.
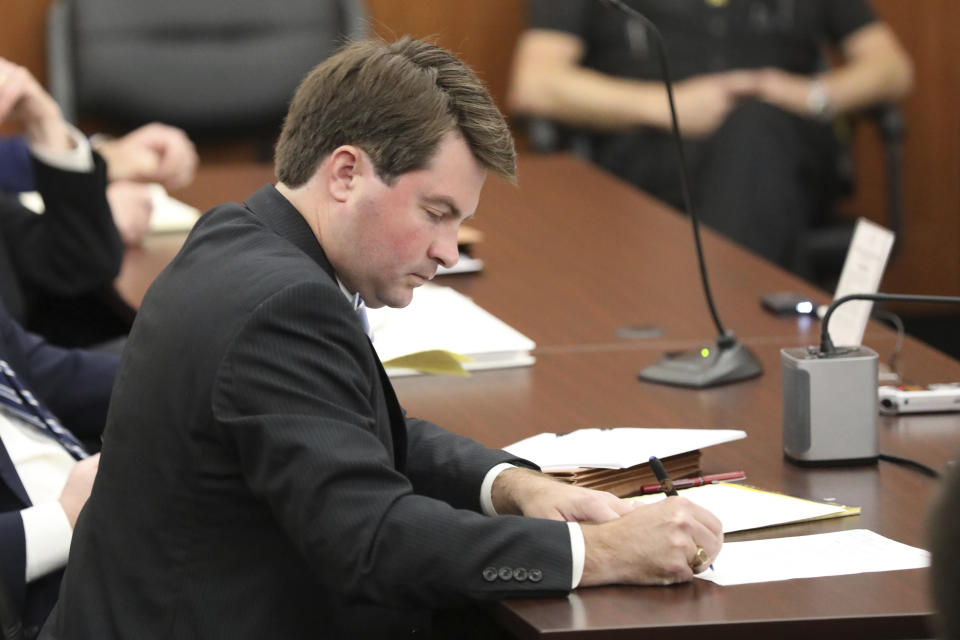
(578, 551)
(486, 488)
(79, 159)
(47, 533)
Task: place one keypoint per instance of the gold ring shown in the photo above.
(700, 559)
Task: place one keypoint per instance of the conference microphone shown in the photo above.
(728, 361)
(830, 399)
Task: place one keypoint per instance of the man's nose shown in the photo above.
(444, 249)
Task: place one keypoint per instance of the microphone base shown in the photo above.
(707, 367)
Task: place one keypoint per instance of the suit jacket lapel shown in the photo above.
(398, 424)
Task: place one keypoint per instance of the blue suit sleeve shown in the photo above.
(16, 165)
(73, 383)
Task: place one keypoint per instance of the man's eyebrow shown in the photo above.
(444, 202)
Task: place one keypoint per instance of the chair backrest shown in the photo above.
(204, 65)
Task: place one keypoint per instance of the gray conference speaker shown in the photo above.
(829, 406)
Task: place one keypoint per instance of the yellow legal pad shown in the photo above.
(435, 361)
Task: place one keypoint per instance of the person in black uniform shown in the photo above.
(754, 99)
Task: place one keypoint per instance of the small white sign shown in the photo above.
(862, 272)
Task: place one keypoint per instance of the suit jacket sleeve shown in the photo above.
(13, 561)
(293, 394)
(450, 467)
(16, 165)
(74, 247)
(73, 383)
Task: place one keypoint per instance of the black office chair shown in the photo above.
(822, 249)
(210, 67)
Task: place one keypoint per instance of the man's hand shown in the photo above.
(653, 544)
(77, 490)
(153, 153)
(703, 102)
(131, 204)
(24, 101)
(788, 91)
(536, 495)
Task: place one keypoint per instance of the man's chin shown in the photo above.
(399, 299)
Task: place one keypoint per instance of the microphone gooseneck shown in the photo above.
(827, 347)
(706, 367)
(681, 157)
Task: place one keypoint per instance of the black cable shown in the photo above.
(895, 320)
(826, 344)
(913, 464)
(684, 179)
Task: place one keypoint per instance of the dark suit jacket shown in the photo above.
(75, 386)
(258, 478)
(71, 252)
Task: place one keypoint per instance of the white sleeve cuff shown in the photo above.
(578, 551)
(79, 159)
(47, 533)
(486, 488)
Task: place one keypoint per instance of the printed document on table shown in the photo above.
(825, 554)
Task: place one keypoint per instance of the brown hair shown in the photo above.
(395, 101)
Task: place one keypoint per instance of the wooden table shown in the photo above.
(571, 256)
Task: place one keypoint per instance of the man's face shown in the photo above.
(394, 237)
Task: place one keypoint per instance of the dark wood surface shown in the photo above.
(571, 256)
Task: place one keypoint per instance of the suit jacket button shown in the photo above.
(506, 573)
(519, 574)
(534, 575)
(489, 574)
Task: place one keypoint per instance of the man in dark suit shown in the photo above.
(274, 488)
(71, 251)
(42, 487)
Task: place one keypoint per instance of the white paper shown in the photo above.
(169, 215)
(741, 508)
(442, 318)
(862, 271)
(615, 448)
(824, 554)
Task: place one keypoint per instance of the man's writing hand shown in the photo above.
(653, 544)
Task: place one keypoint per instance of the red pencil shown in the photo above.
(686, 483)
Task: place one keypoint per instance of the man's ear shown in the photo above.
(345, 164)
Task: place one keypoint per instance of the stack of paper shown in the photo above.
(440, 324)
(617, 459)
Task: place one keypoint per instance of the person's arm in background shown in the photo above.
(548, 80)
(875, 69)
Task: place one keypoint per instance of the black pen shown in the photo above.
(666, 484)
